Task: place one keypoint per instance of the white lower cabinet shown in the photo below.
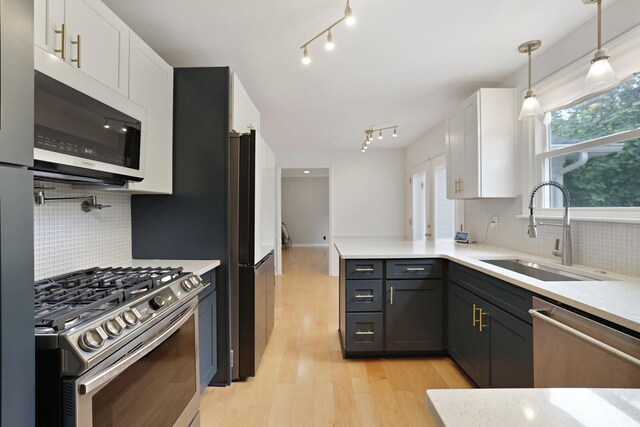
(151, 86)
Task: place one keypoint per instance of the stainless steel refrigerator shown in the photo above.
(252, 259)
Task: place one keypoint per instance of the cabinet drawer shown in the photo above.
(414, 269)
(364, 269)
(509, 297)
(364, 295)
(364, 332)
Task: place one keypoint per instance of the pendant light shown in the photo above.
(530, 106)
(601, 75)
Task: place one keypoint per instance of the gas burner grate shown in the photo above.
(66, 300)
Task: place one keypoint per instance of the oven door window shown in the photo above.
(156, 389)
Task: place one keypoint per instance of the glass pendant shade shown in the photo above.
(601, 75)
(530, 107)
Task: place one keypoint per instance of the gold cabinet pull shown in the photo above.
(461, 187)
(473, 321)
(392, 295)
(77, 42)
(63, 47)
(480, 320)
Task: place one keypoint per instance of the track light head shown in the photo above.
(106, 124)
(395, 132)
(380, 135)
(330, 45)
(306, 59)
(348, 14)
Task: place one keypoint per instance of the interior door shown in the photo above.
(420, 196)
(445, 213)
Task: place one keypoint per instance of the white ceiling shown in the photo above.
(300, 173)
(404, 62)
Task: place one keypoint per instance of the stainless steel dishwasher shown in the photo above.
(570, 350)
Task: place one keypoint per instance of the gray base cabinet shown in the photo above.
(491, 341)
(207, 330)
(391, 307)
(414, 315)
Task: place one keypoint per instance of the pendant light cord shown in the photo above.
(599, 24)
(529, 54)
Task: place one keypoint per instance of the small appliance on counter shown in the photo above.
(117, 346)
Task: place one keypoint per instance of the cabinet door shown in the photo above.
(48, 17)
(468, 346)
(98, 43)
(414, 315)
(455, 155)
(16, 81)
(151, 86)
(470, 185)
(253, 116)
(511, 360)
(239, 110)
(207, 325)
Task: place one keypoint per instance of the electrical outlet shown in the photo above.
(494, 221)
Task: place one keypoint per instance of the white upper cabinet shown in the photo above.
(245, 116)
(151, 86)
(481, 138)
(86, 35)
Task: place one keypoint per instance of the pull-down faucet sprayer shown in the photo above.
(567, 249)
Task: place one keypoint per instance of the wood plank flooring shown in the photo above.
(303, 380)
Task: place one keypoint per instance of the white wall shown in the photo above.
(597, 244)
(367, 197)
(305, 210)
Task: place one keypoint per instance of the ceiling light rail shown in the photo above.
(329, 45)
(368, 135)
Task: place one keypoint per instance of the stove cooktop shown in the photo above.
(65, 301)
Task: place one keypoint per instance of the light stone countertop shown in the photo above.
(191, 266)
(616, 298)
(535, 407)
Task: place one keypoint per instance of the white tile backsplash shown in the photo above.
(609, 246)
(68, 239)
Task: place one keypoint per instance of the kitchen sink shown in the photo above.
(540, 271)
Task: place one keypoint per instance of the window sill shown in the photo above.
(575, 217)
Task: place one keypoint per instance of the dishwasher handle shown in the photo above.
(540, 314)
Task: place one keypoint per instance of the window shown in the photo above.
(593, 148)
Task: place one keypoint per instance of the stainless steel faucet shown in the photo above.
(567, 249)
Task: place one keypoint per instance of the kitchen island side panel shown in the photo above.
(193, 222)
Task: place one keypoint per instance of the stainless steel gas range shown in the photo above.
(117, 346)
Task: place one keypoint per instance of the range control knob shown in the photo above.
(157, 302)
(91, 340)
(130, 318)
(187, 285)
(112, 327)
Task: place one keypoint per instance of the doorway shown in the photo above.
(305, 215)
(419, 205)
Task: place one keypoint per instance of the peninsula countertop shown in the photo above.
(535, 407)
(615, 297)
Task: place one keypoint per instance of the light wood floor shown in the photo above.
(303, 380)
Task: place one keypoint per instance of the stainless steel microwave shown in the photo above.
(80, 139)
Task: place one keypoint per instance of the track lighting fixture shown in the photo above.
(348, 14)
(106, 124)
(368, 134)
(329, 45)
(530, 106)
(124, 128)
(601, 75)
(306, 60)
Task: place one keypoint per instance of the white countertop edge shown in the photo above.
(194, 266)
(594, 304)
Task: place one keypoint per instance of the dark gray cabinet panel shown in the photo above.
(16, 294)
(364, 295)
(16, 82)
(467, 345)
(364, 269)
(364, 332)
(511, 358)
(207, 325)
(414, 315)
(414, 269)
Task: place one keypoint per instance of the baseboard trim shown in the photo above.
(310, 245)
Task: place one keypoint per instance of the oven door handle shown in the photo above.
(110, 373)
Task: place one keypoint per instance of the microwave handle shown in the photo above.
(107, 375)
